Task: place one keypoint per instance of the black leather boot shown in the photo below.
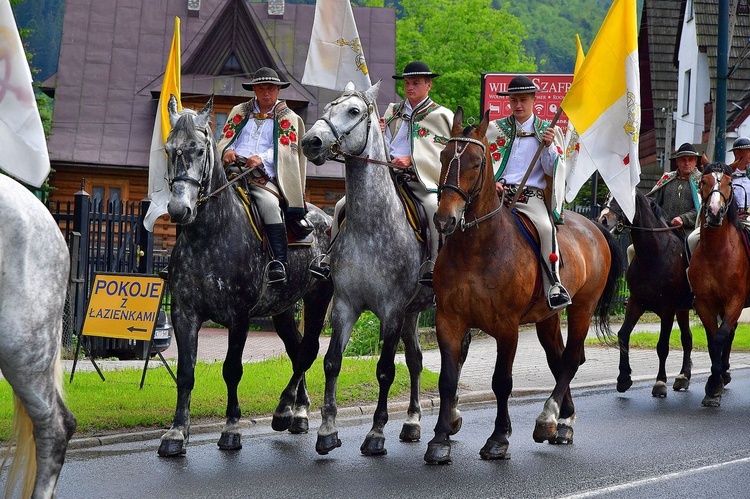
(277, 241)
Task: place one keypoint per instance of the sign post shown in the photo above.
(123, 306)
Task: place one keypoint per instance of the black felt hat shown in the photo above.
(265, 75)
(520, 85)
(414, 69)
(686, 149)
(741, 143)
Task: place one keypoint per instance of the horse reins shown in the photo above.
(715, 189)
(620, 226)
(468, 197)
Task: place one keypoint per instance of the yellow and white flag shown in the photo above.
(336, 56)
(22, 138)
(604, 106)
(158, 191)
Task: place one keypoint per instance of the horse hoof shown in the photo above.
(659, 390)
(281, 423)
(438, 453)
(622, 386)
(374, 446)
(544, 431)
(326, 443)
(726, 377)
(299, 426)
(456, 425)
(410, 433)
(230, 441)
(494, 450)
(564, 435)
(681, 382)
(171, 448)
(709, 401)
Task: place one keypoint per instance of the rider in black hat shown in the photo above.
(740, 180)
(416, 130)
(266, 133)
(514, 141)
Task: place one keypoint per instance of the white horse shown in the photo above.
(34, 267)
(374, 262)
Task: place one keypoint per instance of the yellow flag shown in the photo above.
(603, 104)
(158, 191)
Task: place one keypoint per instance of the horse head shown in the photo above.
(716, 194)
(192, 158)
(464, 172)
(345, 127)
(611, 215)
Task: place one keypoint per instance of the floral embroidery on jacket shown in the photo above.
(419, 132)
(230, 129)
(287, 133)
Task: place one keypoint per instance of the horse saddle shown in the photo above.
(293, 237)
(415, 212)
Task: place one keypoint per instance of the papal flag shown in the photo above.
(21, 134)
(335, 56)
(604, 105)
(158, 191)
(572, 144)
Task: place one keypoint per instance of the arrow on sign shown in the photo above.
(133, 329)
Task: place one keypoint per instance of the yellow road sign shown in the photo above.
(123, 306)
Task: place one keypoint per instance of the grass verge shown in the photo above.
(117, 404)
(648, 340)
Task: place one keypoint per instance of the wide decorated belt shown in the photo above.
(526, 194)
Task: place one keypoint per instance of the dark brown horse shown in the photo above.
(485, 278)
(720, 274)
(657, 281)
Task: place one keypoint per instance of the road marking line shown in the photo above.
(662, 478)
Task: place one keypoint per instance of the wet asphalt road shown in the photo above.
(626, 445)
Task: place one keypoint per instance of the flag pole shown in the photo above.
(538, 153)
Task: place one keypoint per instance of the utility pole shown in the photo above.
(722, 53)
(667, 139)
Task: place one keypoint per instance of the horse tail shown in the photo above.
(22, 469)
(611, 290)
(23, 466)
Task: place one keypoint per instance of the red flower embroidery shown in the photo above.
(237, 118)
(578, 146)
(422, 132)
(284, 124)
(495, 156)
(493, 147)
(284, 140)
(293, 136)
(559, 150)
(229, 134)
(226, 127)
(501, 142)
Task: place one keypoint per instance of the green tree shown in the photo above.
(460, 40)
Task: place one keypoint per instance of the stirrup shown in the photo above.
(558, 299)
(320, 269)
(274, 274)
(425, 278)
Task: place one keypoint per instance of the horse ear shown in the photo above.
(482, 128)
(372, 92)
(204, 117)
(174, 115)
(458, 119)
(349, 87)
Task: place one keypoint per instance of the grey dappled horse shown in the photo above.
(374, 262)
(34, 267)
(216, 272)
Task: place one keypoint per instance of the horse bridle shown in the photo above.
(335, 148)
(715, 189)
(621, 225)
(478, 183)
(208, 159)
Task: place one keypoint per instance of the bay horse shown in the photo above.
(485, 278)
(719, 273)
(34, 269)
(216, 272)
(657, 281)
(374, 262)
